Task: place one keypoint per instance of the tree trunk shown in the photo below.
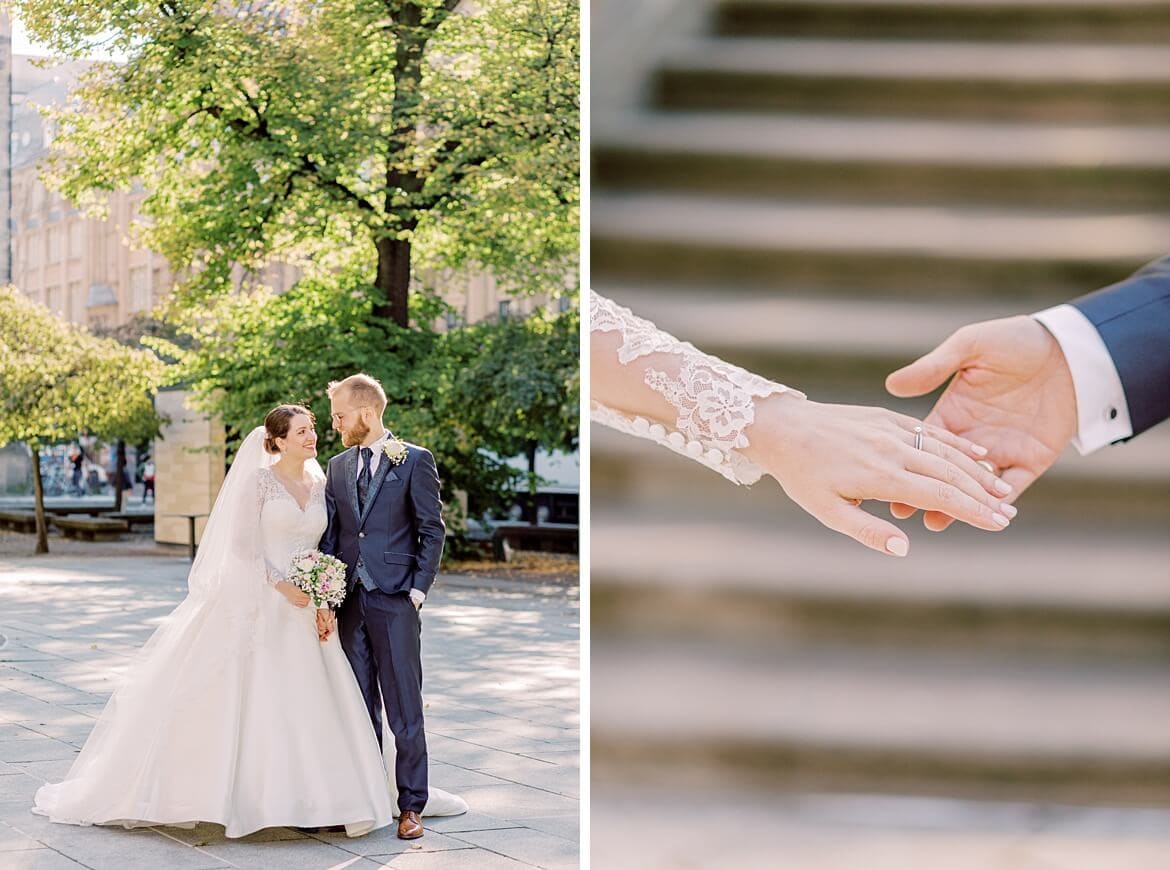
(393, 278)
(531, 450)
(119, 473)
(39, 501)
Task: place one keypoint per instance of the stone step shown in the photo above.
(649, 821)
(1032, 20)
(814, 717)
(777, 579)
(835, 349)
(723, 319)
(1066, 83)
(897, 252)
(887, 160)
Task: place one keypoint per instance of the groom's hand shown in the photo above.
(326, 624)
(1012, 393)
(417, 597)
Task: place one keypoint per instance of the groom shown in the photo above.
(382, 497)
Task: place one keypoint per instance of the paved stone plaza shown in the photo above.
(501, 659)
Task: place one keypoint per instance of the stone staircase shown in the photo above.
(820, 190)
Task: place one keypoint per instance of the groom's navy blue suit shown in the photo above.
(1133, 319)
(390, 546)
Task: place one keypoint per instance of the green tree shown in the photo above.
(130, 334)
(455, 393)
(367, 134)
(522, 378)
(248, 354)
(57, 380)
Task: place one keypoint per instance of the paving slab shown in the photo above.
(524, 844)
(385, 842)
(39, 859)
(12, 840)
(463, 859)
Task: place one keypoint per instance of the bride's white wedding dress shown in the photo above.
(234, 712)
(714, 400)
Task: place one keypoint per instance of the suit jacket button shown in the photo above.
(361, 534)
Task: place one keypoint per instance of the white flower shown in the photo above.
(395, 451)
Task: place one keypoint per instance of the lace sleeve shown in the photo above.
(267, 488)
(713, 401)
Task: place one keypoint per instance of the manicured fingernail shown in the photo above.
(898, 546)
(1003, 487)
(978, 450)
(1010, 509)
(1000, 519)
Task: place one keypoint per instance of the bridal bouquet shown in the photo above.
(321, 576)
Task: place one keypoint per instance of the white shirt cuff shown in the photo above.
(1102, 412)
(418, 597)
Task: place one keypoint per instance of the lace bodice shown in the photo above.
(284, 527)
(714, 401)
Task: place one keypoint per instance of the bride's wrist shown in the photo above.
(779, 418)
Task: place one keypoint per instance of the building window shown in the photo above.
(139, 289)
(32, 250)
(75, 299)
(54, 244)
(76, 239)
(505, 306)
(53, 301)
(564, 303)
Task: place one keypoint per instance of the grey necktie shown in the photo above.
(363, 481)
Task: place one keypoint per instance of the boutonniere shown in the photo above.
(395, 451)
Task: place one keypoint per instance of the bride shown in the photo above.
(827, 458)
(237, 711)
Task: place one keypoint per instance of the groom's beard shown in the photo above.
(355, 434)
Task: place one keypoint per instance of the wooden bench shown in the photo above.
(76, 510)
(132, 519)
(91, 528)
(19, 521)
(560, 538)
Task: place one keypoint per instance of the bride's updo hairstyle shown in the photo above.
(277, 422)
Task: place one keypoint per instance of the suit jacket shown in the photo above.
(398, 538)
(1133, 319)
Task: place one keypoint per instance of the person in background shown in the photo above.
(148, 479)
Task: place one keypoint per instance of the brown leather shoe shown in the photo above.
(409, 826)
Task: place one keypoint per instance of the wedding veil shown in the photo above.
(231, 555)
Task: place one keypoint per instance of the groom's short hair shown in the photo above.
(360, 388)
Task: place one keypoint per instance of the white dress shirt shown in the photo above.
(378, 456)
(1102, 412)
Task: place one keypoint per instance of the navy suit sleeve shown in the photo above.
(329, 543)
(1133, 319)
(428, 515)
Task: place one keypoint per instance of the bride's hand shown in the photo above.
(830, 458)
(296, 597)
(326, 623)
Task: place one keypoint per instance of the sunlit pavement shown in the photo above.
(501, 662)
